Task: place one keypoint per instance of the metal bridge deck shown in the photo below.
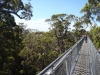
(82, 66)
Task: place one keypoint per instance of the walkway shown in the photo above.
(82, 66)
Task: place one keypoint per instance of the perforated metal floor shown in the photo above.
(82, 65)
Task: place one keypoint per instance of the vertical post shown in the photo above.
(67, 70)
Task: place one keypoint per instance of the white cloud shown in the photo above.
(39, 24)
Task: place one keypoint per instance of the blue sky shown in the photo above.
(44, 9)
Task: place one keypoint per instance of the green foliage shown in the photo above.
(91, 9)
(95, 36)
(9, 48)
(37, 45)
(54, 54)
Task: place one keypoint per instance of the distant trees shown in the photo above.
(39, 50)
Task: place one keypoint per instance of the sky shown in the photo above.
(44, 9)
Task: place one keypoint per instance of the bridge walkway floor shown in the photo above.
(82, 66)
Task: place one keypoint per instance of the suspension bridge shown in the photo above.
(81, 59)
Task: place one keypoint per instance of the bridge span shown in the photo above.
(81, 59)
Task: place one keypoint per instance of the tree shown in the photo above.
(60, 24)
(95, 36)
(92, 15)
(92, 10)
(78, 25)
(11, 35)
(16, 7)
(10, 46)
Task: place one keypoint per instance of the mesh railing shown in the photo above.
(64, 64)
(94, 58)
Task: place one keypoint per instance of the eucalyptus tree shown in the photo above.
(79, 28)
(60, 24)
(92, 11)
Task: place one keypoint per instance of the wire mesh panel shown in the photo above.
(97, 68)
(61, 69)
(94, 59)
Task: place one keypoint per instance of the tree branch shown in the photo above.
(1, 10)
